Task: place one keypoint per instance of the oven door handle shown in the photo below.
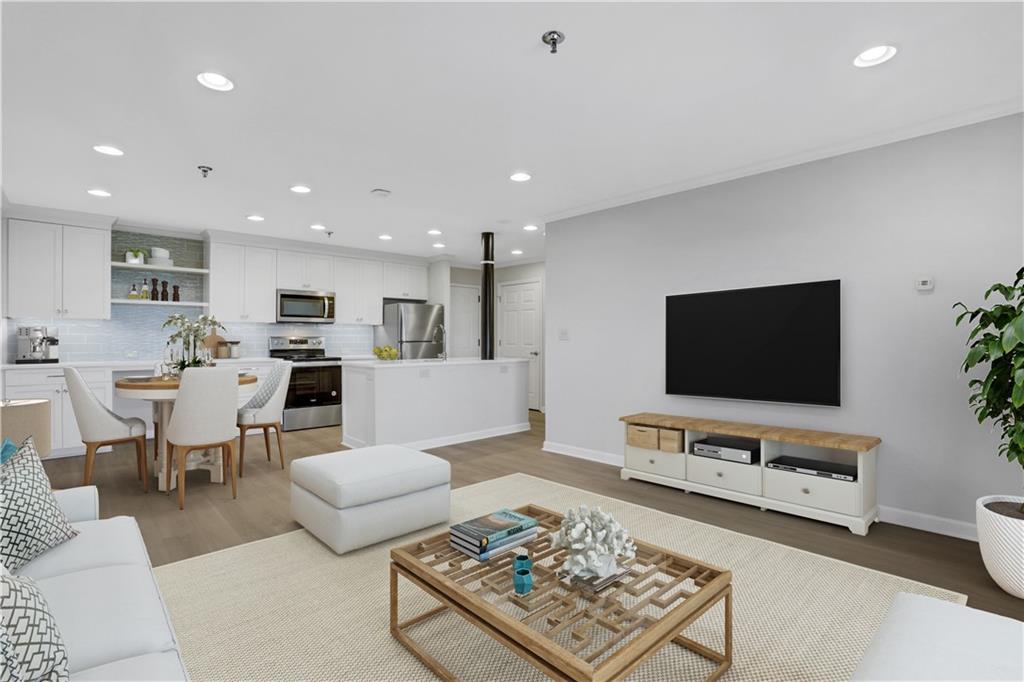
(325, 307)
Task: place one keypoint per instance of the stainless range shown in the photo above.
(314, 391)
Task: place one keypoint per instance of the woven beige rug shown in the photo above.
(288, 608)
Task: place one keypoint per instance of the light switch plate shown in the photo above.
(924, 283)
(563, 334)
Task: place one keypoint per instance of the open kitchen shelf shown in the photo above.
(132, 301)
(159, 268)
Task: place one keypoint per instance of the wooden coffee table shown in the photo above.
(561, 630)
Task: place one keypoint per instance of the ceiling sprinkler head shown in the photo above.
(553, 39)
(329, 233)
(205, 170)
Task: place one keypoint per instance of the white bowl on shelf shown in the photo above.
(165, 262)
(156, 252)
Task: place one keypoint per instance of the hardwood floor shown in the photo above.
(212, 520)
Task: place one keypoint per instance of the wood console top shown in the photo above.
(822, 439)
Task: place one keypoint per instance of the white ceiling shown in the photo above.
(440, 103)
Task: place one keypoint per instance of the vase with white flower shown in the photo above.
(190, 333)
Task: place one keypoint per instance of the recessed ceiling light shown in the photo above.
(384, 237)
(433, 233)
(300, 189)
(519, 176)
(99, 192)
(215, 81)
(254, 218)
(517, 252)
(530, 228)
(873, 56)
(108, 150)
(317, 226)
(438, 245)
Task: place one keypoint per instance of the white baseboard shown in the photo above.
(928, 522)
(457, 438)
(584, 453)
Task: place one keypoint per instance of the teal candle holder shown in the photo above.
(522, 561)
(522, 581)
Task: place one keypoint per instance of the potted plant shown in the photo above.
(191, 334)
(135, 256)
(997, 340)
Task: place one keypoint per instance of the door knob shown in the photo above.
(534, 352)
(719, 474)
(805, 491)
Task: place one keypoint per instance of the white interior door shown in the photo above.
(520, 309)
(464, 322)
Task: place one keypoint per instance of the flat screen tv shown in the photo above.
(777, 344)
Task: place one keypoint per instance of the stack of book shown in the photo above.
(493, 534)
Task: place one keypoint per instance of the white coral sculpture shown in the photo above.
(595, 542)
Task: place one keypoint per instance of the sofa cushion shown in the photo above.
(31, 521)
(165, 665)
(99, 543)
(353, 477)
(33, 648)
(108, 613)
(923, 638)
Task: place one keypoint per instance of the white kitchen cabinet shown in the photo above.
(242, 283)
(402, 280)
(304, 271)
(48, 384)
(57, 271)
(358, 291)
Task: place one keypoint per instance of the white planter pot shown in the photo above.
(134, 260)
(1002, 544)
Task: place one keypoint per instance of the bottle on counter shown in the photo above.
(144, 291)
(154, 292)
(133, 295)
(176, 296)
(163, 290)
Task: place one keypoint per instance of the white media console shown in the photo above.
(659, 449)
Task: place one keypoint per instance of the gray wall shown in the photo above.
(946, 205)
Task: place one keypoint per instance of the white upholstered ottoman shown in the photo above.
(354, 498)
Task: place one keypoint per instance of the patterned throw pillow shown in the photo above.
(31, 647)
(32, 521)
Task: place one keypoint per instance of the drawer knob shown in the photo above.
(805, 491)
(651, 461)
(719, 474)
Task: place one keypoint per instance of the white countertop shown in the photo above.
(450, 362)
(123, 365)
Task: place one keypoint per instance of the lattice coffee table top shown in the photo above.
(590, 628)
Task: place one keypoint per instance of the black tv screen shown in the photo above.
(778, 344)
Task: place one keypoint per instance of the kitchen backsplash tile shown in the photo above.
(186, 253)
(134, 332)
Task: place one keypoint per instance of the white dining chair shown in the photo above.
(99, 426)
(265, 410)
(204, 417)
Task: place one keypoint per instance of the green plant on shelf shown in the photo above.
(997, 340)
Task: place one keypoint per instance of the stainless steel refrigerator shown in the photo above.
(415, 329)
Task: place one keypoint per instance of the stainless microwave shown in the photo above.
(297, 305)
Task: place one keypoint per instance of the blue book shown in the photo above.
(484, 556)
(485, 530)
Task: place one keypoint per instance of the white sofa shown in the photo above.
(923, 638)
(103, 594)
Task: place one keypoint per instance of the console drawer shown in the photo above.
(642, 436)
(821, 493)
(670, 464)
(670, 440)
(743, 478)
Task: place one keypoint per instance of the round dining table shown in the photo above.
(162, 391)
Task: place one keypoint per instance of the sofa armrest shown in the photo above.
(79, 504)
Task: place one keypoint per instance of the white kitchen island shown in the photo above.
(430, 403)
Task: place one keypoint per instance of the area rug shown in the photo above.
(288, 608)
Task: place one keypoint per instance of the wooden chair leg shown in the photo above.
(90, 458)
(280, 447)
(241, 449)
(140, 455)
(156, 441)
(266, 440)
(182, 454)
(138, 466)
(223, 466)
(170, 458)
(234, 483)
